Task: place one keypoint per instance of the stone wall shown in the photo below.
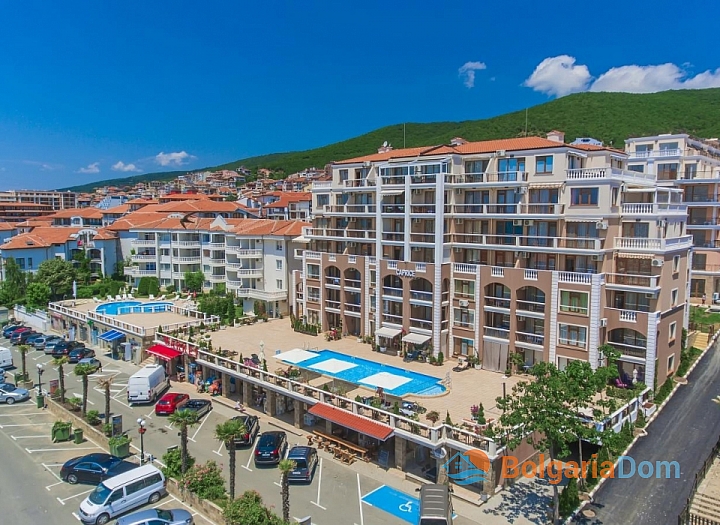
(205, 507)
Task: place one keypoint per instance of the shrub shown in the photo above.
(173, 463)
(143, 286)
(640, 422)
(170, 288)
(664, 391)
(569, 498)
(440, 358)
(206, 481)
(153, 286)
(93, 417)
(75, 403)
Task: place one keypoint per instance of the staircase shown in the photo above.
(149, 361)
(707, 508)
(699, 340)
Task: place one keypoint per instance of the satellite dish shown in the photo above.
(385, 144)
(439, 453)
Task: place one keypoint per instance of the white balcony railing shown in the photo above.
(610, 173)
(654, 208)
(143, 242)
(139, 258)
(644, 244)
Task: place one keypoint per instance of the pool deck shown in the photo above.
(142, 320)
(468, 388)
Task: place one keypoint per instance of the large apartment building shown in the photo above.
(694, 166)
(56, 200)
(524, 245)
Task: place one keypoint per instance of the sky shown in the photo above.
(96, 90)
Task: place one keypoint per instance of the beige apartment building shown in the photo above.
(525, 246)
(693, 166)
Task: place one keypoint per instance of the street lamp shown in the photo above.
(141, 431)
(40, 370)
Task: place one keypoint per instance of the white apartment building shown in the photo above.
(526, 245)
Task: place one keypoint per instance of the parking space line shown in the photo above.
(24, 425)
(75, 514)
(16, 415)
(360, 500)
(247, 466)
(54, 485)
(80, 396)
(192, 511)
(29, 437)
(47, 467)
(317, 503)
(278, 484)
(218, 451)
(207, 416)
(372, 491)
(31, 450)
(151, 414)
(62, 501)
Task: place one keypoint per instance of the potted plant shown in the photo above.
(440, 358)
(119, 446)
(74, 403)
(433, 416)
(93, 417)
(107, 429)
(61, 431)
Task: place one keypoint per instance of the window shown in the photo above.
(674, 297)
(30, 263)
(476, 166)
(278, 246)
(279, 264)
(463, 318)
(464, 288)
(671, 364)
(115, 496)
(574, 302)
(667, 171)
(673, 330)
(544, 164)
(343, 175)
(584, 196)
(676, 264)
(640, 168)
(152, 480)
(313, 271)
(690, 171)
(20, 262)
(644, 149)
(314, 294)
(279, 284)
(134, 487)
(573, 335)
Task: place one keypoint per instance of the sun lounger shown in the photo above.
(152, 297)
(118, 298)
(110, 298)
(161, 298)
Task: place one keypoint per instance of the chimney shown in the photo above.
(385, 147)
(556, 136)
(458, 141)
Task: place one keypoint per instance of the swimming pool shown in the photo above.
(133, 307)
(395, 381)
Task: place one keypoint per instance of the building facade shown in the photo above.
(56, 200)
(523, 246)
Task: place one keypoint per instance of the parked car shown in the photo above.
(252, 427)
(95, 364)
(200, 406)
(40, 342)
(305, 459)
(10, 394)
(77, 354)
(157, 517)
(93, 468)
(270, 448)
(51, 343)
(15, 337)
(24, 337)
(34, 337)
(8, 330)
(65, 347)
(170, 402)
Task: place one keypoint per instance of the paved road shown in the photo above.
(685, 431)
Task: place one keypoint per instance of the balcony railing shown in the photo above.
(352, 283)
(334, 305)
(610, 173)
(694, 198)
(530, 338)
(392, 318)
(487, 177)
(521, 242)
(187, 244)
(424, 324)
(571, 309)
(703, 221)
(420, 295)
(530, 306)
(644, 281)
(217, 245)
(500, 333)
(497, 302)
(465, 268)
(136, 272)
(468, 325)
(321, 185)
(392, 292)
(665, 152)
(188, 260)
(352, 307)
(349, 209)
(143, 242)
(653, 209)
(630, 350)
(641, 243)
(359, 183)
(711, 268)
(138, 258)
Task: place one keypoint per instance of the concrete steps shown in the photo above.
(701, 340)
(149, 361)
(707, 507)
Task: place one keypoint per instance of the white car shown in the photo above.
(10, 393)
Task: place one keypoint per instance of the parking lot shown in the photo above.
(358, 494)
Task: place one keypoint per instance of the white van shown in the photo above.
(6, 359)
(122, 493)
(147, 384)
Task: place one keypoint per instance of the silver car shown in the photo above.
(157, 517)
(40, 342)
(10, 393)
(50, 344)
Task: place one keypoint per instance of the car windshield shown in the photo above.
(99, 495)
(164, 514)
(8, 387)
(163, 402)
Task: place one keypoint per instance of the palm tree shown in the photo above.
(228, 432)
(24, 349)
(105, 383)
(83, 371)
(184, 419)
(60, 362)
(286, 466)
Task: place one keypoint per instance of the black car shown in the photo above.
(270, 448)
(199, 406)
(94, 468)
(65, 347)
(8, 330)
(305, 459)
(77, 354)
(252, 427)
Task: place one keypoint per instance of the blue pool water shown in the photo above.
(132, 307)
(418, 384)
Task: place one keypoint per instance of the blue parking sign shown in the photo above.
(394, 502)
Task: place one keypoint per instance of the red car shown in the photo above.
(170, 402)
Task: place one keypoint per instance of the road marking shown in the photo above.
(151, 414)
(373, 491)
(278, 484)
(317, 503)
(218, 451)
(31, 450)
(360, 500)
(28, 437)
(247, 466)
(170, 427)
(76, 516)
(62, 501)
(47, 467)
(6, 406)
(207, 416)
(80, 396)
(24, 425)
(54, 485)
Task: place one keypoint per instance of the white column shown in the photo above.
(439, 259)
(478, 322)
(554, 296)
(594, 328)
(651, 351)
(366, 297)
(686, 316)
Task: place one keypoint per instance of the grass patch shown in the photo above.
(703, 315)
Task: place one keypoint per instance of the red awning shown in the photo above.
(352, 421)
(163, 352)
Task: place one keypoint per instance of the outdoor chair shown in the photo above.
(463, 364)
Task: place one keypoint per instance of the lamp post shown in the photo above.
(141, 431)
(40, 399)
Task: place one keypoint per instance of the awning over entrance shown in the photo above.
(627, 255)
(163, 352)
(354, 422)
(387, 193)
(388, 332)
(111, 335)
(416, 339)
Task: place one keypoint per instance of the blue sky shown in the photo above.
(94, 90)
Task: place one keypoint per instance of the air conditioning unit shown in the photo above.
(521, 318)
(517, 222)
(416, 221)
(458, 191)
(500, 153)
(603, 322)
(522, 191)
(601, 225)
(458, 221)
(657, 262)
(596, 257)
(352, 219)
(529, 223)
(458, 250)
(352, 244)
(464, 304)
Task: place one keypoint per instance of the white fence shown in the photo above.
(37, 319)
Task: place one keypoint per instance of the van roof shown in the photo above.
(434, 500)
(147, 371)
(130, 475)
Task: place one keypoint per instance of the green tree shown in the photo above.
(60, 363)
(194, 281)
(248, 509)
(58, 275)
(569, 498)
(12, 288)
(153, 286)
(143, 286)
(184, 419)
(542, 413)
(37, 295)
(286, 466)
(227, 433)
(82, 266)
(105, 383)
(582, 384)
(83, 371)
(24, 349)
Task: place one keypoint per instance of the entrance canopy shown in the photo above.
(164, 352)
(416, 339)
(111, 335)
(352, 421)
(388, 332)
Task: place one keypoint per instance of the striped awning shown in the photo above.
(546, 186)
(629, 255)
(582, 219)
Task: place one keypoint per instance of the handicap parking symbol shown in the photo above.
(395, 502)
(406, 507)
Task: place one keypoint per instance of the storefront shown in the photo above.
(111, 340)
(169, 357)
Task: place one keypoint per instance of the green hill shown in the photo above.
(610, 117)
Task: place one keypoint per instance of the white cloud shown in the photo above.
(91, 168)
(121, 166)
(467, 71)
(559, 76)
(173, 159)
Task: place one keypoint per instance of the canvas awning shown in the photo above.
(416, 339)
(628, 255)
(111, 335)
(352, 421)
(545, 186)
(386, 193)
(164, 352)
(388, 332)
(582, 219)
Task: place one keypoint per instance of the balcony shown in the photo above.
(465, 268)
(332, 305)
(352, 307)
(134, 271)
(141, 258)
(143, 242)
(217, 262)
(630, 350)
(217, 245)
(529, 306)
(416, 295)
(530, 339)
(706, 268)
(233, 285)
(353, 283)
(502, 177)
(622, 281)
(653, 245)
(340, 234)
(497, 302)
(217, 278)
(498, 333)
(250, 273)
(392, 318)
(348, 209)
(186, 244)
(643, 209)
(392, 292)
(524, 243)
(322, 186)
(660, 153)
(702, 198)
(423, 324)
(696, 222)
(195, 259)
(359, 184)
(611, 173)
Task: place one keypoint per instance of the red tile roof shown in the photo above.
(86, 213)
(354, 422)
